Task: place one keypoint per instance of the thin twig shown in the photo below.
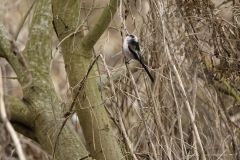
(77, 29)
(115, 104)
(228, 41)
(178, 79)
(23, 20)
(142, 112)
(68, 113)
(179, 119)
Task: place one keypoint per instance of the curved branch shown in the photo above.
(8, 125)
(10, 51)
(95, 33)
(20, 113)
(24, 130)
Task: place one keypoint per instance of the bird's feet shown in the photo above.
(127, 62)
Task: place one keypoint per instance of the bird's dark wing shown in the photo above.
(134, 48)
(139, 58)
(135, 44)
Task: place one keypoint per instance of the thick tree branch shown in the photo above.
(20, 113)
(95, 33)
(10, 51)
(77, 57)
(39, 96)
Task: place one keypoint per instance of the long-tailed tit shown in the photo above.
(132, 50)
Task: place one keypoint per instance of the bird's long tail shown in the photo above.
(145, 67)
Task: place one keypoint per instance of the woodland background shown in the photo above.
(191, 111)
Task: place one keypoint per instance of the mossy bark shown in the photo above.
(40, 108)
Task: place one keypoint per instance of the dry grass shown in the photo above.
(191, 110)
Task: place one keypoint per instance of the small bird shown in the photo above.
(132, 50)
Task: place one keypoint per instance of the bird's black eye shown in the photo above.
(132, 36)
